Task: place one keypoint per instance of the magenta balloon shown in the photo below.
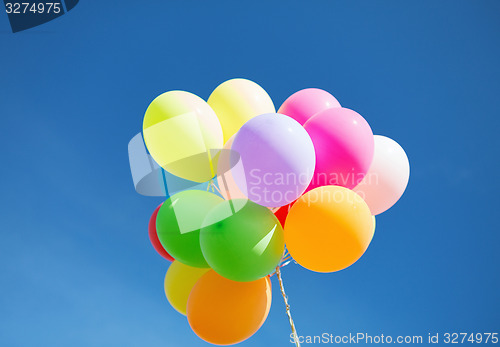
(305, 103)
(344, 146)
(277, 159)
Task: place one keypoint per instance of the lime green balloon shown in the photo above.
(178, 225)
(241, 240)
(183, 135)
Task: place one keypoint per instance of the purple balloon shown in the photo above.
(275, 161)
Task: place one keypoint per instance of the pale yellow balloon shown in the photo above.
(179, 281)
(183, 135)
(238, 100)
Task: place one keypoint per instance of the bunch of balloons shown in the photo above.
(311, 176)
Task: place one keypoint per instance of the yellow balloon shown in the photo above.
(238, 100)
(183, 135)
(179, 281)
(328, 229)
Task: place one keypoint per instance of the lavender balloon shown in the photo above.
(275, 161)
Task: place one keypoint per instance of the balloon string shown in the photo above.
(288, 312)
(284, 262)
(165, 182)
(216, 188)
(226, 188)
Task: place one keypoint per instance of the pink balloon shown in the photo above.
(344, 144)
(305, 103)
(387, 178)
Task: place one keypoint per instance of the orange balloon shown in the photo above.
(225, 312)
(328, 229)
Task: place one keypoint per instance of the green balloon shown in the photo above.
(178, 225)
(241, 240)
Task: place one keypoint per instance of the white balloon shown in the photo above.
(387, 177)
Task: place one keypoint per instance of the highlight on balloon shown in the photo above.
(247, 190)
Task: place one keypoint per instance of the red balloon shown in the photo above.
(153, 236)
(282, 212)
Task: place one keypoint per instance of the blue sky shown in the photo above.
(76, 264)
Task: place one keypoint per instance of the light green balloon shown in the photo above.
(178, 225)
(241, 240)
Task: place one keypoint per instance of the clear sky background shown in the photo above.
(77, 268)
